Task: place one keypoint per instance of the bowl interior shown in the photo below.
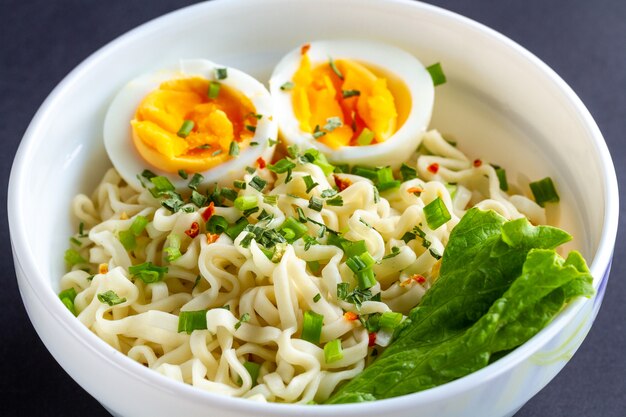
(500, 104)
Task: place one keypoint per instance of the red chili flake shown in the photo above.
(419, 279)
(261, 162)
(208, 212)
(211, 238)
(193, 230)
(477, 163)
(372, 339)
(415, 190)
(434, 167)
(305, 48)
(342, 184)
(350, 316)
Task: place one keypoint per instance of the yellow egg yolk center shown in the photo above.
(343, 103)
(189, 124)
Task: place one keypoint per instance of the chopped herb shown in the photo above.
(309, 183)
(376, 196)
(198, 199)
(217, 224)
(270, 199)
(197, 281)
(317, 132)
(148, 272)
(335, 201)
(250, 170)
(318, 296)
(257, 183)
(365, 137)
(434, 254)
(250, 211)
(67, 298)
(287, 86)
(111, 298)
(350, 93)
(72, 257)
(233, 150)
(221, 73)
(147, 174)
(436, 213)
(342, 168)
(328, 193)
(234, 230)
(251, 128)
(75, 241)
(342, 290)
(407, 172)
(239, 184)
(312, 326)
(301, 216)
(281, 166)
(544, 191)
(395, 251)
(501, 173)
(195, 181)
(332, 123)
(333, 67)
(436, 73)
(217, 152)
(81, 230)
(214, 89)
(264, 215)
(188, 321)
(254, 143)
(185, 129)
(315, 203)
(183, 174)
(272, 142)
(253, 370)
(244, 319)
(310, 241)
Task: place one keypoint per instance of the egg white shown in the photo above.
(118, 132)
(392, 60)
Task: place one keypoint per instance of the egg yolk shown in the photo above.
(211, 125)
(344, 91)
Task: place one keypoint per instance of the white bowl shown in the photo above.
(501, 102)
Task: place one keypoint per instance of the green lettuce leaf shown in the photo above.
(500, 283)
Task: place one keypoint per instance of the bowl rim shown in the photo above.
(24, 257)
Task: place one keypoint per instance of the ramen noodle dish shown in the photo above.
(311, 244)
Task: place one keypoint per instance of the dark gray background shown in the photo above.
(584, 41)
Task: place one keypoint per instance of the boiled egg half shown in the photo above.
(194, 117)
(359, 102)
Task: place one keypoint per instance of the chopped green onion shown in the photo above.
(271, 142)
(197, 281)
(332, 123)
(376, 196)
(355, 248)
(316, 203)
(127, 238)
(335, 201)
(173, 248)
(318, 296)
(312, 326)
(233, 150)
(162, 184)
(287, 86)
(328, 193)
(342, 169)
(342, 290)
(434, 254)
(407, 172)
(366, 278)
(292, 227)
(246, 202)
(221, 73)
(195, 181)
(111, 298)
(270, 199)
(72, 257)
(281, 166)
(436, 213)
(185, 129)
(244, 319)
(319, 159)
(183, 174)
(67, 298)
(188, 321)
(350, 93)
(314, 266)
(436, 73)
(148, 272)
(390, 319)
(138, 225)
(253, 369)
(317, 132)
(239, 184)
(264, 215)
(333, 351)
(395, 251)
(214, 89)
(544, 191)
(331, 62)
(501, 173)
(81, 230)
(257, 183)
(254, 143)
(217, 152)
(229, 194)
(309, 183)
(147, 174)
(251, 128)
(365, 137)
(234, 230)
(385, 179)
(198, 199)
(75, 241)
(364, 171)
